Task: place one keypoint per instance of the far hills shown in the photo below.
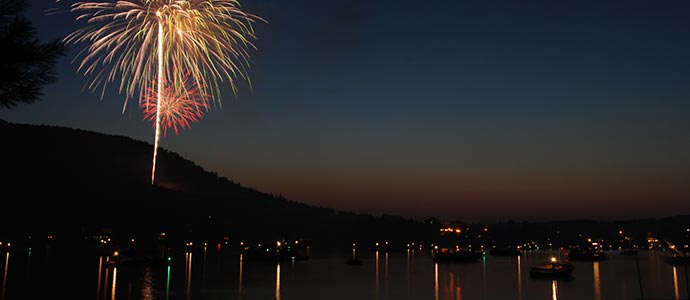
(58, 180)
(68, 180)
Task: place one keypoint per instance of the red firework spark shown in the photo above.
(180, 106)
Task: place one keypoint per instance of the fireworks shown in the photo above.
(208, 38)
(146, 43)
(178, 106)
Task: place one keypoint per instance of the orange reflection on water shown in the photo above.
(105, 282)
(239, 287)
(454, 290)
(203, 272)
(112, 292)
(675, 283)
(278, 281)
(386, 274)
(554, 289)
(188, 275)
(147, 287)
(597, 282)
(436, 281)
(4, 276)
(100, 269)
(519, 267)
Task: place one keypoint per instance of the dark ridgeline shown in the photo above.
(68, 182)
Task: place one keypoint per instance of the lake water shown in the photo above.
(214, 274)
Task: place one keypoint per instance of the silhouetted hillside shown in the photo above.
(58, 179)
(69, 181)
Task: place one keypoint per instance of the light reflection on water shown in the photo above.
(112, 292)
(386, 272)
(167, 284)
(676, 292)
(597, 282)
(396, 275)
(4, 276)
(147, 289)
(454, 289)
(188, 275)
(519, 276)
(100, 269)
(436, 281)
(483, 276)
(239, 285)
(105, 283)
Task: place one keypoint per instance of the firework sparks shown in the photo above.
(140, 42)
(178, 109)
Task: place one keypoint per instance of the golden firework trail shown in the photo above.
(142, 44)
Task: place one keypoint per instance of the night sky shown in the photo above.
(472, 110)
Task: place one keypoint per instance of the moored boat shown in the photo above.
(552, 268)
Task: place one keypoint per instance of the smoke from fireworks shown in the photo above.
(141, 42)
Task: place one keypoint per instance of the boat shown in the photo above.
(552, 268)
(457, 256)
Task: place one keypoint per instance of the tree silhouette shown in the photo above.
(27, 65)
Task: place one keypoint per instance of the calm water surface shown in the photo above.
(214, 274)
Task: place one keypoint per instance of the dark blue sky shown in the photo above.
(474, 110)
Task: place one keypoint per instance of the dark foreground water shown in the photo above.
(216, 274)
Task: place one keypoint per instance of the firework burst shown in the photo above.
(145, 43)
(179, 107)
